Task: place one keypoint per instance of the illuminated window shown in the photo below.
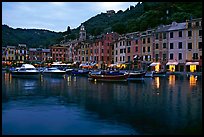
(192, 68)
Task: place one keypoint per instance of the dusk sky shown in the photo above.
(55, 16)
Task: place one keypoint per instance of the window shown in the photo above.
(180, 56)
(189, 45)
(199, 45)
(157, 57)
(136, 41)
(200, 32)
(128, 49)
(180, 45)
(195, 55)
(171, 34)
(148, 40)
(116, 52)
(136, 49)
(123, 58)
(128, 58)
(86, 58)
(124, 50)
(116, 45)
(164, 57)
(123, 43)
(121, 50)
(180, 33)
(144, 41)
(157, 35)
(189, 33)
(164, 45)
(143, 49)
(197, 23)
(102, 51)
(189, 25)
(171, 46)
(148, 49)
(116, 59)
(102, 58)
(171, 55)
(120, 58)
(157, 46)
(120, 43)
(164, 35)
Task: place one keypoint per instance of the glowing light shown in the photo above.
(172, 68)
(172, 79)
(157, 80)
(192, 68)
(192, 80)
(157, 67)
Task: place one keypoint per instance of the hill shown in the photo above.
(139, 17)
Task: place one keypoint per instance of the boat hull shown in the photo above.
(108, 77)
(136, 76)
(17, 74)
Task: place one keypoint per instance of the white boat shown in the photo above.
(26, 71)
(53, 72)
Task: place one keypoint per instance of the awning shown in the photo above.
(172, 63)
(192, 63)
(154, 64)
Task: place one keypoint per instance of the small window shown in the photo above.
(164, 35)
(164, 45)
(171, 46)
(143, 41)
(200, 32)
(180, 56)
(143, 49)
(199, 45)
(157, 46)
(136, 49)
(180, 45)
(171, 34)
(148, 49)
(180, 33)
(136, 41)
(157, 35)
(189, 45)
(171, 55)
(189, 33)
(148, 40)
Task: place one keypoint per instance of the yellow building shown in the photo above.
(194, 45)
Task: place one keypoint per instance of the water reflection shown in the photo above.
(172, 80)
(157, 106)
(192, 80)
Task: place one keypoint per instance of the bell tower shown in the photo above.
(82, 33)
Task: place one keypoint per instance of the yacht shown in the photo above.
(53, 72)
(26, 71)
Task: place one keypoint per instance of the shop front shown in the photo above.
(192, 66)
(172, 66)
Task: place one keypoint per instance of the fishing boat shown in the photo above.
(54, 72)
(149, 74)
(26, 71)
(159, 73)
(80, 72)
(106, 77)
(136, 76)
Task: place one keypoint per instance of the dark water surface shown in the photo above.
(74, 105)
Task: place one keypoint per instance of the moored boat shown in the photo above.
(53, 72)
(26, 71)
(80, 72)
(105, 77)
(136, 76)
(159, 73)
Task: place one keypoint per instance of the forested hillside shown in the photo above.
(135, 18)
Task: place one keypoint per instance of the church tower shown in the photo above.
(82, 33)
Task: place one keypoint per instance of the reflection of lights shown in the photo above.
(74, 78)
(157, 82)
(172, 80)
(69, 78)
(192, 80)
(157, 67)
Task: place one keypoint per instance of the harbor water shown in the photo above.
(73, 105)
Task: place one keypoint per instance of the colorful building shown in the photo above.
(176, 47)
(194, 45)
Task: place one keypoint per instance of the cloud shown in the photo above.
(55, 16)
